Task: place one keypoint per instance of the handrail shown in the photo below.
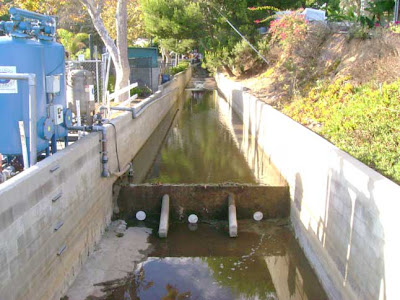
(114, 95)
(121, 91)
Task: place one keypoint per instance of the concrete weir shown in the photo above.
(39, 257)
(208, 202)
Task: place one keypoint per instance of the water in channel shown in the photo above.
(199, 148)
(202, 262)
(201, 140)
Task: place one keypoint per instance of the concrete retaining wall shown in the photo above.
(52, 215)
(345, 215)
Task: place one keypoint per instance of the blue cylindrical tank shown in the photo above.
(54, 64)
(26, 56)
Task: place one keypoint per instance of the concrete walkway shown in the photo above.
(111, 262)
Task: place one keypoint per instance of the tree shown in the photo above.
(72, 42)
(70, 14)
(175, 23)
(200, 21)
(118, 50)
(49, 7)
(134, 16)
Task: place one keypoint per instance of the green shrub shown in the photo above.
(363, 121)
(215, 59)
(263, 46)
(182, 66)
(243, 56)
(141, 91)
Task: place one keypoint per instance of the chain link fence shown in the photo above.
(144, 73)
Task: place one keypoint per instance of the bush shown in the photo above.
(244, 56)
(182, 66)
(289, 31)
(363, 121)
(141, 91)
(215, 59)
(263, 46)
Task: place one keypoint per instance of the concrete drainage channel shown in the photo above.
(199, 240)
(224, 254)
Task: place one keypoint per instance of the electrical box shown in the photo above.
(56, 114)
(53, 85)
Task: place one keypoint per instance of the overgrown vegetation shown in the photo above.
(362, 120)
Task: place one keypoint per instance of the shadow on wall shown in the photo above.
(342, 223)
(246, 136)
(298, 192)
(356, 250)
(349, 233)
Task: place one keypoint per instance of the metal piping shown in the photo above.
(104, 158)
(31, 78)
(30, 15)
(137, 111)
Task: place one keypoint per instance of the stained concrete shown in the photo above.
(263, 262)
(208, 202)
(344, 214)
(32, 265)
(112, 260)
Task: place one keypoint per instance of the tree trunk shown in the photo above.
(123, 72)
(119, 51)
(228, 70)
(166, 55)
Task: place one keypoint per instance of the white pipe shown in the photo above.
(233, 227)
(164, 219)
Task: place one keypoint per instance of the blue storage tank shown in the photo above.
(26, 56)
(54, 64)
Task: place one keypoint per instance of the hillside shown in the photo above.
(345, 88)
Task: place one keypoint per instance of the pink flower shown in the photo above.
(397, 22)
(283, 36)
(377, 24)
(257, 21)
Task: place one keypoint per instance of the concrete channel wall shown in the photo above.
(344, 214)
(52, 215)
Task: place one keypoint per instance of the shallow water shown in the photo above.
(264, 262)
(202, 140)
(199, 148)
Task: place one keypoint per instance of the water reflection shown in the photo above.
(265, 172)
(202, 278)
(199, 148)
(264, 262)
